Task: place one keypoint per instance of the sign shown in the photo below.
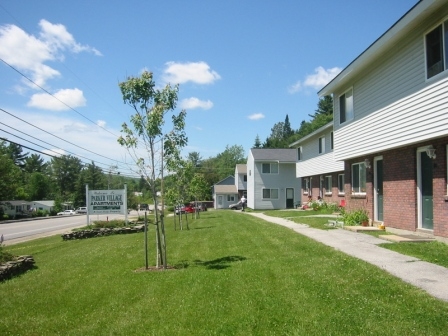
(107, 202)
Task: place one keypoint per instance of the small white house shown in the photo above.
(225, 193)
(271, 179)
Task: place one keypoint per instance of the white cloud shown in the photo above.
(194, 103)
(29, 53)
(56, 37)
(316, 81)
(71, 97)
(101, 123)
(256, 116)
(196, 72)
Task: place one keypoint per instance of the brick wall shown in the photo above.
(400, 187)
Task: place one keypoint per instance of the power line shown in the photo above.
(12, 115)
(58, 157)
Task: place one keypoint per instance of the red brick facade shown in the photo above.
(400, 189)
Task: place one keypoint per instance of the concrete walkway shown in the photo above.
(430, 277)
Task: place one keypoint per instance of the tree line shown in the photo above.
(282, 134)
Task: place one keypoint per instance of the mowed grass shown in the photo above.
(236, 275)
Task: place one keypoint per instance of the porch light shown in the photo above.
(431, 152)
(367, 163)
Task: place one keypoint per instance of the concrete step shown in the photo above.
(406, 238)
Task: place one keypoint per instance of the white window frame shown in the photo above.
(299, 153)
(444, 30)
(341, 184)
(230, 198)
(306, 183)
(361, 168)
(270, 193)
(348, 102)
(272, 165)
(328, 185)
(322, 145)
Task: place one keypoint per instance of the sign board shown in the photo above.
(107, 202)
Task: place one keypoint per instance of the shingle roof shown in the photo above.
(274, 154)
(225, 189)
(241, 168)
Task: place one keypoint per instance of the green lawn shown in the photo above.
(236, 275)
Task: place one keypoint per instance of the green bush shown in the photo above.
(355, 217)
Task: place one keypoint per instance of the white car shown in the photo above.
(66, 213)
(81, 210)
(236, 206)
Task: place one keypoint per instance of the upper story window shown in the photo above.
(322, 145)
(245, 178)
(436, 44)
(299, 153)
(359, 178)
(269, 168)
(346, 106)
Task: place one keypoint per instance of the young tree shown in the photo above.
(146, 130)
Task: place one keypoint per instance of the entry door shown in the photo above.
(426, 190)
(219, 202)
(379, 190)
(289, 198)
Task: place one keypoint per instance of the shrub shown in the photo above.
(355, 217)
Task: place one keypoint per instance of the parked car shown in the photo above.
(81, 210)
(66, 213)
(184, 209)
(236, 206)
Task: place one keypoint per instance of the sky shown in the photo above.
(241, 66)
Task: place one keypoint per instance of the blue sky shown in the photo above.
(242, 66)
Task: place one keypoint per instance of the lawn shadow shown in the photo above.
(220, 263)
(204, 227)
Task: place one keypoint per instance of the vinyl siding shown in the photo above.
(323, 164)
(419, 117)
(284, 179)
(312, 162)
(394, 104)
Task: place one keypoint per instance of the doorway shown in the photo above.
(379, 202)
(425, 190)
(289, 198)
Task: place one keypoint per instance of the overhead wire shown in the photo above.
(59, 157)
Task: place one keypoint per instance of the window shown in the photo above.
(269, 168)
(341, 182)
(436, 43)
(328, 185)
(306, 185)
(321, 145)
(245, 178)
(270, 193)
(299, 153)
(331, 141)
(359, 178)
(230, 198)
(346, 106)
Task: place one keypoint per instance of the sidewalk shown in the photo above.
(430, 277)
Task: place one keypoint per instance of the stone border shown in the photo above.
(84, 234)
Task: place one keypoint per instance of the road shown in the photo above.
(20, 231)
